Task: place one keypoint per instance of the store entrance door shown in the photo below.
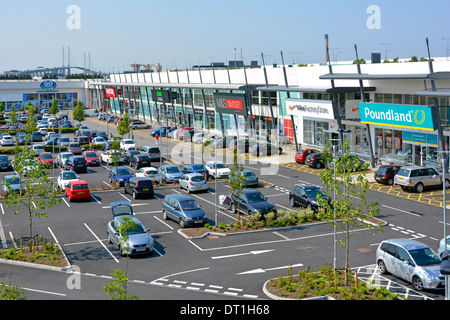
(419, 155)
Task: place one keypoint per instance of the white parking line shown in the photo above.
(53, 235)
(66, 202)
(101, 243)
(95, 198)
(1, 207)
(162, 222)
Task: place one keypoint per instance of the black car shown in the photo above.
(82, 140)
(385, 174)
(242, 145)
(251, 202)
(139, 187)
(5, 163)
(315, 160)
(129, 154)
(306, 196)
(36, 136)
(264, 149)
(139, 161)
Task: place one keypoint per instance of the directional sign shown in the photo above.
(242, 254)
(260, 270)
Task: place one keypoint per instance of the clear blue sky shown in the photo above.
(185, 32)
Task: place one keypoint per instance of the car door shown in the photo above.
(390, 259)
(434, 177)
(302, 197)
(244, 205)
(405, 263)
(114, 233)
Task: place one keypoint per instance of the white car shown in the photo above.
(127, 144)
(63, 157)
(38, 149)
(149, 172)
(138, 124)
(7, 141)
(99, 140)
(222, 169)
(65, 177)
(106, 157)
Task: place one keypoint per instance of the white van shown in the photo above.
(91, 112)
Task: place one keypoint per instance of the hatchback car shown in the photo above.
(76, 163)
(46, 159)
(412, 261)
(110, 156)
(222, 170)
(129, 154)
(65, 177)
(251, 202)
(152, 152)
(5, 163)
(418, 178)
(38, 149)
(301, 155)
(385, 174)
(91, 158)
(139, 241)
(315, 160)
(11, 183)
(170, 173)
(264, 149)
(149, 172)
(306, 196)
(140, 160)
(250, 178)
(184, 210)
(195, 168)
(139, 187)
(127, 144)
(119, 175)
(74, 147)
(77, 190)
(192, 182)
(7, 141)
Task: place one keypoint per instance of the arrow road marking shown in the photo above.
(242, 254)
(260, 270)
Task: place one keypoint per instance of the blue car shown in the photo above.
(120, 174)
(160, 131)
(170, 173)
(195, 168)
(76, 164)
(184, 210)
(250, 178)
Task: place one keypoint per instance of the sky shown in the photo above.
(182, 33)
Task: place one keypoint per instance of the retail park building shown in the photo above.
(307, 104)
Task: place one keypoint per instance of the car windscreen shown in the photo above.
(314, 192)
(189, 205)
(255, 197)
(120, 210)
(173, 169)
(123, 171)
(151, 172)
(128, 142)
(91, 155)
(65, 139)
(13, 180)
(220, 166)
(198, 167)
(46, 156)
(4, 158)
(137, 228)
(425, 256)
(80, 187)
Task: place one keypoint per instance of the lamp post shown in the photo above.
(334, 206)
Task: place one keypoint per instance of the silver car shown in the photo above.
(139, 240)
(193, 182)
(418, 178)
(412, 261)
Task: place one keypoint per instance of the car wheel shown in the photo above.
(382, 267)
(181, 223)
(318, 165)
(417, 283)
(165, 215)
(292, 201)
(109, 238)
(134, 195)
(447, 183)
(419, 188)
(308, 206)
(390, 181)
(233, 208)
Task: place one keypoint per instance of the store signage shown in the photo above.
(163, 96)
(421, 138)
(322, 109)
(48, 85)
(397, 115)
(110, 92)
(230, 103)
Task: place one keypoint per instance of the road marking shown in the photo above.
(107, 184)
(162, 222)
(1, 207)
(243, 254)
(101, 243)
(48, 292)
(95, 198)
(260, 270)
(413, 214)
(281, 235)
(53, 235)
(66, 202)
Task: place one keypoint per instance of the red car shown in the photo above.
(301, 155)
(46, 159)
(91, 158)
(78, 190)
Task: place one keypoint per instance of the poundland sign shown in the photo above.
(397, 115)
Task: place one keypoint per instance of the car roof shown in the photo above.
(194, 174)
(169, 165)
(246, 191)
(407, 243)
(179, 197)
(415, 167)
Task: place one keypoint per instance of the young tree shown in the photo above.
(236, 179)
(38, 194)
(54, 108)
(13, 118)
(350, 210)
(124, 126)
(78, 112)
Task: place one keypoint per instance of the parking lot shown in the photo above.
(224, 267)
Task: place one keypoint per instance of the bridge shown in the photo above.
(60, 71)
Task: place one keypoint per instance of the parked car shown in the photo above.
(65, 177)
(11, 183)
(5, 163)
(222, 170)
(21, 137)
(153, 152)
(74, 147)
(170, 173)
(250, 178)
(306, 196)
(64, 141)
(107, 157)
(198, 137)
(315, 160)
(76, 163)
(91, 158)
(443, 246)
(264, 149)
(129, 154)
(138, 124)
(193, 182)
(77, 190)
(46, 159)
(195, 168)
(242, 145)
(386, 173)
(160, 131)
(139, 187)
(139, 241)
(251, 202)
(7, 140)
(412, 261)
(301, 155)
(127, 144)
(119, 175)
(184, 210)
(140, 160)
(82, 140)
(62, 157)
(418, 178)
(149, 172)
(36, 137)
(38, 149)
